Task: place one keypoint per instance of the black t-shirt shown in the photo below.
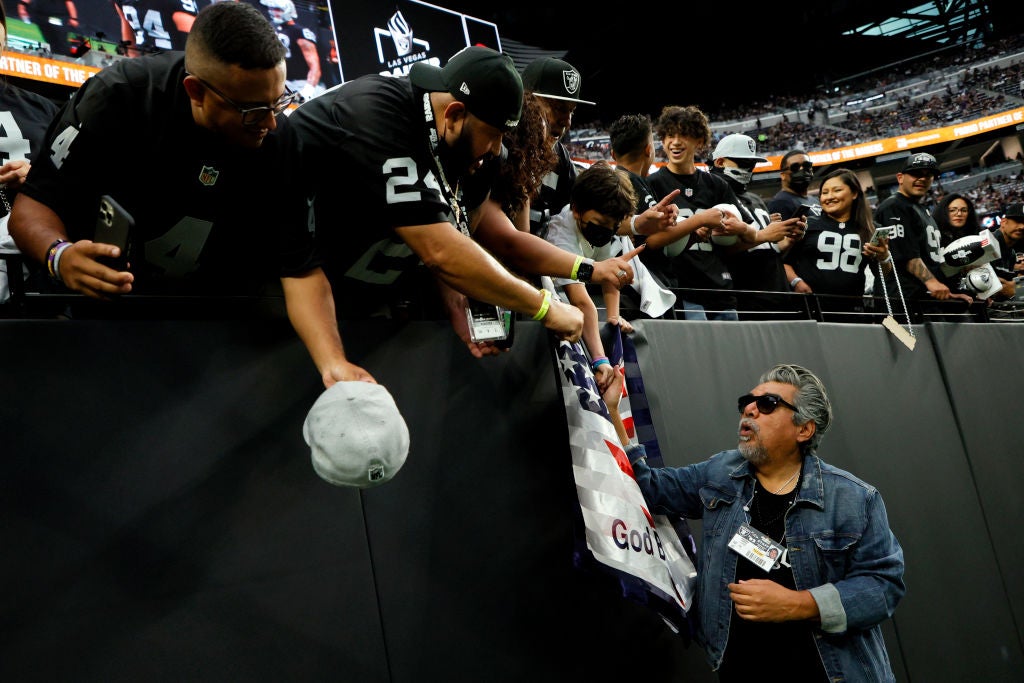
(367, 159)
(756, 650)
(206, 219)
(699, 265)
(759, 268)
(786, 203)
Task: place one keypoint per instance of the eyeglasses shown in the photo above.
(253, 116)
(805, 166)
(766, 403)
(957, 209)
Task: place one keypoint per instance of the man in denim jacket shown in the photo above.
(798, 566)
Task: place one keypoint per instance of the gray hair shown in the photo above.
(811, 401)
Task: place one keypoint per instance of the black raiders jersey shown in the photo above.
(369, 165)
(24, 117)
(699, 265)
(829, 257)
(555, 192)
(205, 221)
(644, 195)
(152, 22)
(759, 268)
(914, 235)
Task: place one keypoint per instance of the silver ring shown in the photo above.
(621, 274)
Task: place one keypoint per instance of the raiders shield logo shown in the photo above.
(571, 80)
(208, 176)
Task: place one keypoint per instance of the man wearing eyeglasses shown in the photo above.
(186, 144)
(838, 570)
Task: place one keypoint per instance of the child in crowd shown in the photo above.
(601, 198)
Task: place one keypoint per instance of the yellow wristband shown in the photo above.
(575, 268)
(544, 305)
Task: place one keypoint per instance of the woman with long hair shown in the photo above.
(833, 257)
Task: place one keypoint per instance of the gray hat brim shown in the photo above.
(564, 99)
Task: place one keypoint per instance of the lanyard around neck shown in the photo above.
(450, 196)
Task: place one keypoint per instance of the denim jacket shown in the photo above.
(840, 547)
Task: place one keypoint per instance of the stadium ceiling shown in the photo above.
(641, 57)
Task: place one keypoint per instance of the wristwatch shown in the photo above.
(585, 271)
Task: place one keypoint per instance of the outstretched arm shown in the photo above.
(310, 304)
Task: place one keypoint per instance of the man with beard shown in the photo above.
(915, 240)
(756, 265)
(823, 603)
(796, 170)
(398, 173)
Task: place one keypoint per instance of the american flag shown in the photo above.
(620, 531)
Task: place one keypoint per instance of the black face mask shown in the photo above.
(800, 180)
(737, 187)
(597, 235)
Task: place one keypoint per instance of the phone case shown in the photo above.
(114, 225)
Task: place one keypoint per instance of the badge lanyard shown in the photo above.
(450, 196)
(486, 322)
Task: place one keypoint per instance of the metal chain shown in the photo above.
(885, 293)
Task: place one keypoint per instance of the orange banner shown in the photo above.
(905, 143)
(43, 69)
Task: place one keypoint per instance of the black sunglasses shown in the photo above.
(806, 166)
(766, 403)
(253, 116)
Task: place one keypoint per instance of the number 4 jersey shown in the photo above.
(207, 212)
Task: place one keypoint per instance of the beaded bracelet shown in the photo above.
(544, 305)
(51, 256)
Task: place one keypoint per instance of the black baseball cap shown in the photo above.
(1015, 211)
(485, 80)
(921, 162)
(553, 78)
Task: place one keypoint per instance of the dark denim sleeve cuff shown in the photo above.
(636, 452)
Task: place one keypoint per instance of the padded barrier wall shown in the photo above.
(161, 520)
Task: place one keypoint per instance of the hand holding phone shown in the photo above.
(881, 232)
(114, 225)
(803, 211)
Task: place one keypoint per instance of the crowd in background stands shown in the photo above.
(931, 91)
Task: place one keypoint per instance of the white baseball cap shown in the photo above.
(737, 146)
(356, 434)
